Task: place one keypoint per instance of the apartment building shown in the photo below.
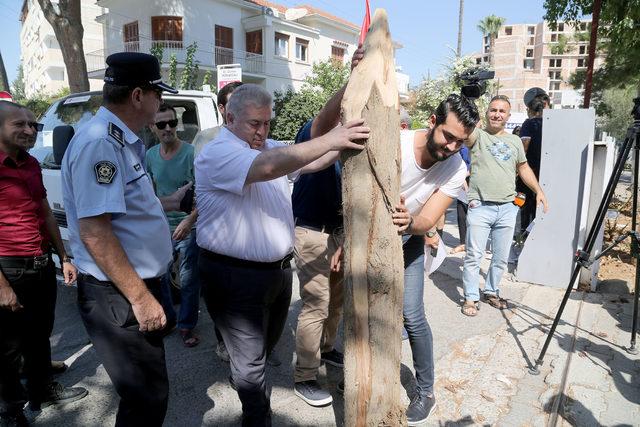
(43, 66)
(536, 55)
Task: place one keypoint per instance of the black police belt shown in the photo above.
(280, 264)
(28, 263)
(311, 225)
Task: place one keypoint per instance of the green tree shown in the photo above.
(562, 46)
(40, 104)
(17, 86)
(614, 108)
(190, 70)
(157, 50)
(173, 70)
(4, 81)
(206, 80)
(293, 109)
(490, 26)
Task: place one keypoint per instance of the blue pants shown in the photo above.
(484, 219)
(415, 320)
(189, 284)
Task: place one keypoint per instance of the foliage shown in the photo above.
(614, 110)
(206, 80)
(490, 26)
(190, 69)
(157, 50)
(562, 46)
(17, 86)
(430, 92)
(293, 109)
(40, 104)
(173, 70)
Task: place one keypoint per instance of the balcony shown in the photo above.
(206, 56)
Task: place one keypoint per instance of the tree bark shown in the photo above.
(374, 268)
(67, 26)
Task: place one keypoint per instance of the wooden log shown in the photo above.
(374, 268)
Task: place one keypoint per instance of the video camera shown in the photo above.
(475, 82)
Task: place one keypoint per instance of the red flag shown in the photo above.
(365, 24)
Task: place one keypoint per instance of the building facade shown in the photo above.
(536, 55)
(42, 63)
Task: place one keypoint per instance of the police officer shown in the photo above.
(120, 238)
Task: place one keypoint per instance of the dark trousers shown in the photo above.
(134, 360)
(461, 210)
(26, 333)
(250, 308)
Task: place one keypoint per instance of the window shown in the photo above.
(582, 62)
(224, 45)
(508, 31)
(583, 26)
(555, 63)
(582, 50)
(302, 50)
(282, 45)
(528, 64)
(531, 30)
(555, 75)
(529, 53)
(337, 54)
(532, 41)
(131, 37)
(554, 85)
(254, 42)
(561, 27)
(554, 37)
(166, 31)
(478, 61)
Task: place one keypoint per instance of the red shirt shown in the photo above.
(22, 223)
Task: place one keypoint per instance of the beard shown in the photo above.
(437, 152)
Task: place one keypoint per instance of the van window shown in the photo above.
(188, 124)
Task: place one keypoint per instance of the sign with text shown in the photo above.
(229, 73)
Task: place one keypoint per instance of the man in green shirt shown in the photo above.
(496, 157)
(170, 166)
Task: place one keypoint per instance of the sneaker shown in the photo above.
(419, 409)
(16, 419)
(221, 351)
(57, 394)
(340, 387)
(333, 357)
(312, 393)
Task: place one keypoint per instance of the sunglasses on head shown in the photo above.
(172, 123)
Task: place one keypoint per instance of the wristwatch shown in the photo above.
(431, 234)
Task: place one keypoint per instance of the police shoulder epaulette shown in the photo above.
(116, 133)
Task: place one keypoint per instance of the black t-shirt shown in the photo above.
(532, 128)
(317, 197)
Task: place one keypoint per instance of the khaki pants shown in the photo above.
(321, 294)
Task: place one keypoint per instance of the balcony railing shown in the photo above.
(210, 55)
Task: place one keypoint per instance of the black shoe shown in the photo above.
(340, 387)
(333, 357)
(312, 393)
(57, 394)
(16, 419)
(419, 409)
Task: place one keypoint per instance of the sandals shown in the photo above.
(188, 338)
(496, 302)
(470, 308)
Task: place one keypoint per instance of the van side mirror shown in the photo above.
(61, 137)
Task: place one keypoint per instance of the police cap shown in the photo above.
(135, 69)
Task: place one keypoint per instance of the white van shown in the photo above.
(196, 110)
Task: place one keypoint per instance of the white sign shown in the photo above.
(228, 74)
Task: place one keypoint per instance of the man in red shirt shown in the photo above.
(28, 229)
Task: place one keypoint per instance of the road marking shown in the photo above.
(77, 354)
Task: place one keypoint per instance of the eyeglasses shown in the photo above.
(36, 126)
(172, 123)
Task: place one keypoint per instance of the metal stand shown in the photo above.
(582, 256)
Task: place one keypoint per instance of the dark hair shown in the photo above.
(166, 107)
(516, 130)
(537, 105)
(543, 98)
(504, 98)
(5, 107)
(464, 109)
(227, 90)
(116, 94)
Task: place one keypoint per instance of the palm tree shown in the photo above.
(490, 26)
(460, 13)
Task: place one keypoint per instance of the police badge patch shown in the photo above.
(105, 171)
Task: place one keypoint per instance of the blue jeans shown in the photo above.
(415, 320)
(484, 219)
(189, 284)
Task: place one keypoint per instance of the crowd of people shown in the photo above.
(132, 211)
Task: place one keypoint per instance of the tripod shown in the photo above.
(632, 139)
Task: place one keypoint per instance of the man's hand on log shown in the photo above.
(342, 136)
(357, 56)
(402, 218)
(336, 260)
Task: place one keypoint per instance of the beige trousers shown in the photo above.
(321, 294)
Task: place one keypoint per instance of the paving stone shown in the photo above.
(583, 405)
(590, 372)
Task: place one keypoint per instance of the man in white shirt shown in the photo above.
(245, 230)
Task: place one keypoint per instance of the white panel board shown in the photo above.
(547, 256)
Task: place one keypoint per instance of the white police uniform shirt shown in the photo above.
(250, 222)
(102, 172)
